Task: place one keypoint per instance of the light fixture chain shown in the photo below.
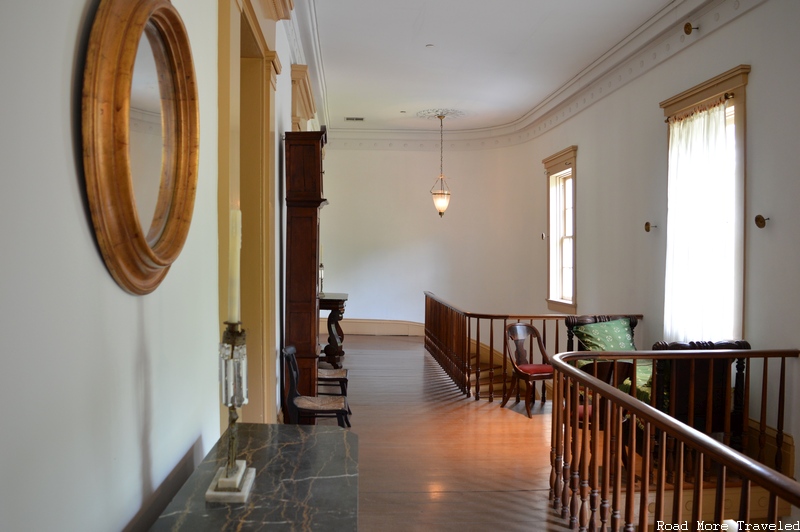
(441, 145)
(440, 192)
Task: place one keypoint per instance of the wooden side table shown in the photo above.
(335, 304)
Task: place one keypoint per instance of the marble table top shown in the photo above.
(306, 479)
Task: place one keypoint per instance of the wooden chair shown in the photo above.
(682, 391)
(332, 378)
(606, 371)
(327, 378)
(678, 395)
(602, 369)
(316, 407)
(518, 335)
(572, 321)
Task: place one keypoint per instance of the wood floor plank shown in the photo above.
(432, 459)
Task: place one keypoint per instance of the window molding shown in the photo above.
(561, 307)
(730, 86)
(735, 78)
(556, 164)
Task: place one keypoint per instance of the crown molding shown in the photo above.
(146, 122)
(278, 9)
(650, 46)
(275, 68)
(295, 47)
(303, 108)
(306, 35)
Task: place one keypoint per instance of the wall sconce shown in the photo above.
(761, 222)
(440, 192)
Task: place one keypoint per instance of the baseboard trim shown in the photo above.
(374, 327)
(771, 447)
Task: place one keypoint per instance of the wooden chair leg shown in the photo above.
(511, 391)
(342, 420)
(529, 397)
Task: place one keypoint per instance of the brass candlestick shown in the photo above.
(234, 375)
(233, 443)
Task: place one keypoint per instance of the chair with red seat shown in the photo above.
(520, 342)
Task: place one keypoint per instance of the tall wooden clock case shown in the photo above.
(304, 199)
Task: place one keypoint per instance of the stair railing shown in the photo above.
(619, 463)
(469, 346)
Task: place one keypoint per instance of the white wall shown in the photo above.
(103, 393)
(384, 244)
(283, 123)
(622, 153)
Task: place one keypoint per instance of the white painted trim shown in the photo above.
(651, 45)
(297, 57)
(306, 38)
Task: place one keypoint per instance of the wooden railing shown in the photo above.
(469, 346)
(622, 464)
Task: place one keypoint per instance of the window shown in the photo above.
(561, 173)
(704, 281)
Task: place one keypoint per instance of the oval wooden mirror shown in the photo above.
(138, 242)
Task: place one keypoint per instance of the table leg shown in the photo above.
(334, 350)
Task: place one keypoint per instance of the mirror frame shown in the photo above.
(138, 258)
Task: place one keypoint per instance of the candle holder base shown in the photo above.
(233, 489)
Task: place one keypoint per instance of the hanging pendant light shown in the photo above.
(440, 192)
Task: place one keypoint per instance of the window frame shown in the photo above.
(729, 84)
(555, 166)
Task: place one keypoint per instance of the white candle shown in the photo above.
(234, 250)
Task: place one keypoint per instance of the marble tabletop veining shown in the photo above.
(306, 479)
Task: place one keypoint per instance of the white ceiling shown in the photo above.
(492, 61)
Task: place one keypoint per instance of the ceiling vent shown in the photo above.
(354, 118)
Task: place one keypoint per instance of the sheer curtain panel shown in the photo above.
(703, 285)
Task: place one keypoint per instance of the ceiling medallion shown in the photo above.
(436, 113)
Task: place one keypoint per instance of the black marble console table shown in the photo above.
(306, 479)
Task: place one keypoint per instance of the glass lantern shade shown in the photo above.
(441, 195)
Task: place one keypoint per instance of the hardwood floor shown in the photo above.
(431, 459)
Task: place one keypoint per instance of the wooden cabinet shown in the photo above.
(304, 199)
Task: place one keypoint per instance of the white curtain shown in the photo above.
(703, 286)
